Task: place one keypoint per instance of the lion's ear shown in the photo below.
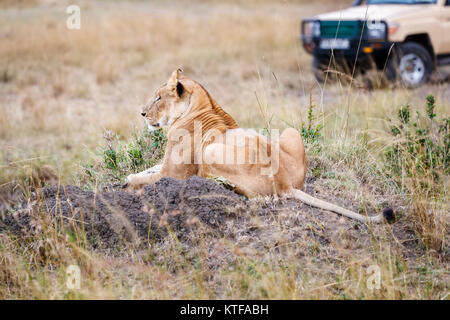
(174, 84)
(174, 78)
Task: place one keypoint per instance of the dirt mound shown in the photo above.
(109, 218)
(193, 210)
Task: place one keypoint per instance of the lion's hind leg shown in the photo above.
(294, 160)
(239, 165)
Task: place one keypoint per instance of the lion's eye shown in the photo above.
(158, 98)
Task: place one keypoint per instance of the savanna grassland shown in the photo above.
(70, 103)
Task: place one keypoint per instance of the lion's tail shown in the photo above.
(387, 214)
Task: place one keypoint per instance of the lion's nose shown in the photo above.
(143, 114)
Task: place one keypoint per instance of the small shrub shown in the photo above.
(418, 159)
(311, 133)
(135, 155)
(110, 159)
(119, 158)
(425, 143)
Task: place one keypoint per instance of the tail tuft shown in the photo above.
(389, 215)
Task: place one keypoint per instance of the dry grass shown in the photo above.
(61, 89)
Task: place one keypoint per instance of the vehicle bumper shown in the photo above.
(362, 48)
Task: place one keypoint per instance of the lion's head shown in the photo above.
(184, 98)
(168, 103)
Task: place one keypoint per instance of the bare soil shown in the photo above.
(196, 210)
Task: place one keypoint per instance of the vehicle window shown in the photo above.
(404, 2)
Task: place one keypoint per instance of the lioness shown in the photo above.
(204, 140)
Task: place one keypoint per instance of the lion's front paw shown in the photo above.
(129, 179)
(130, 182)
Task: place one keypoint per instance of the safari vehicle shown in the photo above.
(405, 39)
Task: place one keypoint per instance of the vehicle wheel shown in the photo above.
(411, 64)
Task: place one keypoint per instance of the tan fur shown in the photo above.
(182, 112)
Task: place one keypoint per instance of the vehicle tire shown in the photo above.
(411, 64)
